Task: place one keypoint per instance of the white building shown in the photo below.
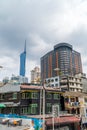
(19, 79)
(53, 82)
(84, 81)
(71, 83)
(15, 79)
(83, 109)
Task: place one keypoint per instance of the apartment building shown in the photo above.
(63, 57)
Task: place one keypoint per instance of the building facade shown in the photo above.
(63, 57)
(76, 103)
(65, 122)
(71, 83)
(35, 75)
(18, 79)
(10, 97)
(29, 99)
(32, 100)
(84, 81)
(22, 62)
(53, 82)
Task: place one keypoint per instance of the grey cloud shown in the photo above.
(79, 38)
(39, 22)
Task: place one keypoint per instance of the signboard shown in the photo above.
(55, 110)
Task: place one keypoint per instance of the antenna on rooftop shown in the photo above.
(25, 47)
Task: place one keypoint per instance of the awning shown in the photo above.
(2, 105)
(63, 120)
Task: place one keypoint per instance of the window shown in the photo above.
(86, 111)
(56, 85)
(48, 80)
(52, 85)
(76, 84)
(80, 85)
(52, 80)
(56, 79)
(34, 108)
(49, 107)
(2, 96)
(12, 110)
(34, 95)
(56, 96)
(25, 95)
(48, 95)
(72, 84)
(85, 100)
(76, 79)
(80, 80)
(69, 78)
(25, 110)
(72, 99)
(14, 95)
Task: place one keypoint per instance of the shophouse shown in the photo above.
(33, 97)
(10, 98)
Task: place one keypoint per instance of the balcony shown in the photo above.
(72, 105)
(64, 86)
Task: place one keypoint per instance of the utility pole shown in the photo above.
(41, 100)
(44, 106)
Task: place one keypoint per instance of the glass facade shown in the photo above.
(22, 62)
(63, 57)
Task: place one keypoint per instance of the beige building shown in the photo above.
(76, 103)
(35, 75)
(1, 84)
(71, 83)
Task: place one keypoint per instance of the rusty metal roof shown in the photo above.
(9, 88)
(63, 120)
(38, 87)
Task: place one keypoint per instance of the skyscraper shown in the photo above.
(23, 61)
(63, 57)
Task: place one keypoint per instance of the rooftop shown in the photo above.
(75, 94)
(10, 88)
(63, 120)
(62, 45)
(35, 87)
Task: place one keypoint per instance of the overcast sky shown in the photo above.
(43, 23)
